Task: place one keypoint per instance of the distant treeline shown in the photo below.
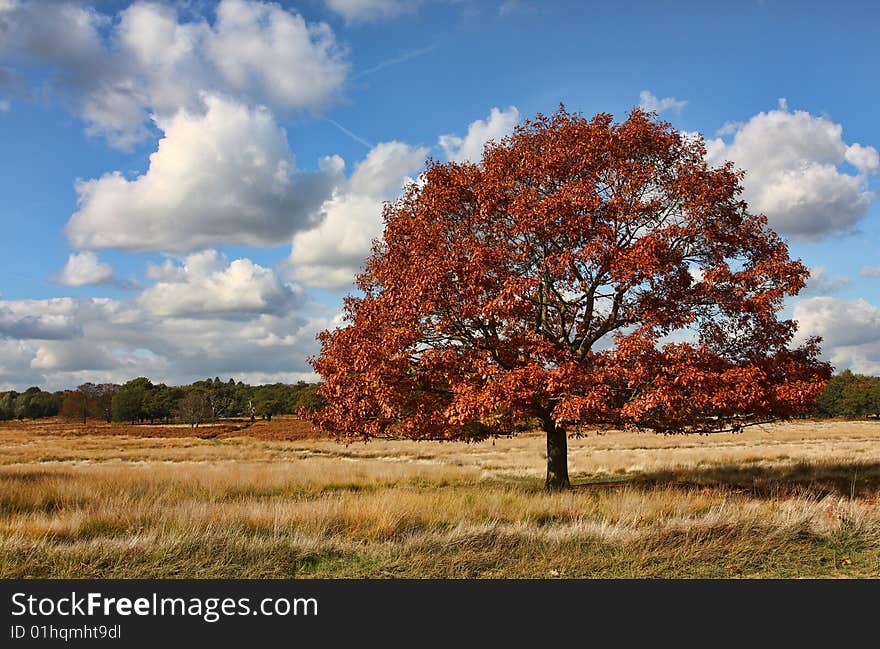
(850, 395)
(140, 400)
(854, 396)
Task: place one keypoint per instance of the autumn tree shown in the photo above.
(89, 400)
(79, 404)
(103, 394)
(585, 274)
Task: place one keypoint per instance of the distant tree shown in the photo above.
(850, 395)
(544, 283)
(7, 404)
(860, 397)
(104, 393)
(34, 403)
(128, 402)
(220, 398)
(194, 408)
(81, 403)
(89, 400)
(309, 399)
(828, 403)
(269, 400)
(242, 399)
(161, 402)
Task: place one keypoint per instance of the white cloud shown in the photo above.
(84, 268)
(863, 158)
(223, 177)
(54, 321)
(263, 51)
(15, 365)
(5, 105)
(168, 271)
(729, 128)
(148, 60)
(207, 284)
(368, 10)
(329, 255)
(469, 148)
(792, 164)
(870, 271)
(118, 340)
(821, 282)
(850, 330)
(385, 169)
(650, 102)
(62, 356)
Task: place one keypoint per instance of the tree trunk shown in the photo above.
(557, 456)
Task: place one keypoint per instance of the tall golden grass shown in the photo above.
(780, 501)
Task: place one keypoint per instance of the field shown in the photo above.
(273, 500)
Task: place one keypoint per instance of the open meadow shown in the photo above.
(274, 500)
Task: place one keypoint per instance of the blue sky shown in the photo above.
(276, 130)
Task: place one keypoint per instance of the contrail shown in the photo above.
(389, 62)
(353, 136)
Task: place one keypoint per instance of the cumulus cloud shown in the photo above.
(84, 268)
(225, 176)
(354, 11)
(206, 283)
(167, 271)
(64, 357)
(149, 60)
(329, 255)
(793, 172)
(15, 365)
(118, 340)
(821, 282)
(469, 148)
(263, 51)
(650, 102)
(53, 322)
(850, 330)
(863, 158)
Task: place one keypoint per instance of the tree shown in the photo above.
(129, 401)
(860, 397)
(270, 400)
(103, 400)
(585, 274)
(309, 399)
(89, 400)
(194, 407)
(160, 402)
(80, 403)
(7, 404)
(33, 403)
(828, 403)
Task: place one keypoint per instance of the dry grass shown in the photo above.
(780, 501)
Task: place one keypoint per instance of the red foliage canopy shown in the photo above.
(586, 273)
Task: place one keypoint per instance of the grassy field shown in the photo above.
(271, 500)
